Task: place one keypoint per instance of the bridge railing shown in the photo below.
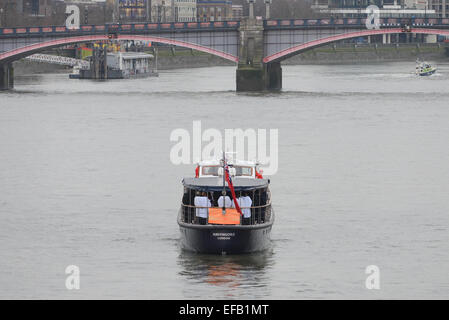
(216, 25)
(119, 28)
(353, 22)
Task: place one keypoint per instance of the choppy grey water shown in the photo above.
(363, 179)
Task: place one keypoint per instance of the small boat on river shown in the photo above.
(226, 208)
(75, 72)
(424, 68)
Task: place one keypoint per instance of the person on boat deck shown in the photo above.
(201, 200)
(226, 200)
(245, 204)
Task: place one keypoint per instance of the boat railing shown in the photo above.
(259, 214)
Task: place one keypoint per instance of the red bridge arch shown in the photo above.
(286, 53)
(34, 48)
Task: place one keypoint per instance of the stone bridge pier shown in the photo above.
(6, 76)
(252, 73)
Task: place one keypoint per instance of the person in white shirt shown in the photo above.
(202, 201)
(245, 204)
(226, 200)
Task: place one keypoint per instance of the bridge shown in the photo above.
(257, 46)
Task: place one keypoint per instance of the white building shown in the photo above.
(237, 11)
(185, 10)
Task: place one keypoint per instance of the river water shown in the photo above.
(363, 179)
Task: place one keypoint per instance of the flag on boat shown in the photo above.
(231, 186)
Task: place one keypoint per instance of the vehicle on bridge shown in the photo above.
(226, 209)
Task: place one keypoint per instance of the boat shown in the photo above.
(129, 65)
(424, 68)
(75, 72)
(122, 65)
(226, 228)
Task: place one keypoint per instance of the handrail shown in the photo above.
(259, 214)
(255, 207)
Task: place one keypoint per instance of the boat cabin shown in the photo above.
(130, 63)
(209, 187)
(237, 168)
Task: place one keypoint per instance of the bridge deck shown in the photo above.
(133, 28)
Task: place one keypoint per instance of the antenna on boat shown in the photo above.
(223, 192)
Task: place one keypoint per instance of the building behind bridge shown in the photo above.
(214, 10)
(441, 7)
(388, 8)
(15, 13)
(237, 11)
(52, 12)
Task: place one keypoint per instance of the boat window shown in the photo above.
(239, 171)
(243, 171)
(210, 170)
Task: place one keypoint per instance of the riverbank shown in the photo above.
(337, 54)
(330, 54)
(179, 58)
(184, 58)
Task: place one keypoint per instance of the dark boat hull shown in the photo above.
(428, 73)
(222, 239)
